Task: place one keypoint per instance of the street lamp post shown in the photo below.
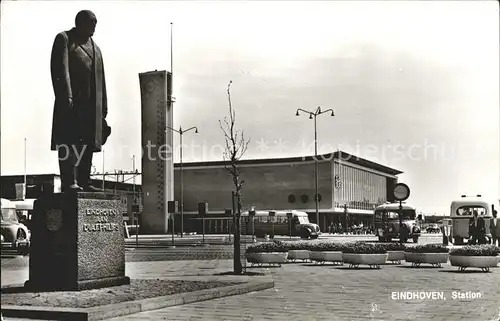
(103, 172)
(181, 132)
(314, 115)
(347, 219)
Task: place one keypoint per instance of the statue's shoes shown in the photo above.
(91, 188)
(72, 188)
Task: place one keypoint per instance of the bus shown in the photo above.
(462, 210)
(278, 223)
(386, 221)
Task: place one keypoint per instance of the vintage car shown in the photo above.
(387, 222)
(15, 235)
(433, 228)
(292, 222)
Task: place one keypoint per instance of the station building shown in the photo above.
(345, 183)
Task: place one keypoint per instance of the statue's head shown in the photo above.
(85, 23)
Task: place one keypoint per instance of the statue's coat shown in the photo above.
(75, 75)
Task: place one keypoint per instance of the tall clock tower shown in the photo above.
(157, 150)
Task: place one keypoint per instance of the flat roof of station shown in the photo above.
(343, 156)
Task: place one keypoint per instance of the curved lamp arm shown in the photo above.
(175, 130)
(191, 128)
(315, 113)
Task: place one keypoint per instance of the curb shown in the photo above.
(130, 307)
(188, 240)
(178, 244)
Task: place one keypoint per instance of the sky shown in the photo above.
(414, 85)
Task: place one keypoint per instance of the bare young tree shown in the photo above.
(236, 146)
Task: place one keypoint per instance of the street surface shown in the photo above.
(306, 291)
(219, 239)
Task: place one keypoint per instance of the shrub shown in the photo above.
(427, 248)
(364, 248)
(476, 250)
(393, 246)
(266, 247)
(296, 245)
(326, 246)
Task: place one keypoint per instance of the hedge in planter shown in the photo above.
(298, 250)
(372, 255)
(427, 248)
(393, 246)
(326, 252)
(395, 252)
(270, 252)
(478, 256)
(296, 245)
(434, 254)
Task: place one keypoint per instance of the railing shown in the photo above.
(127, 227)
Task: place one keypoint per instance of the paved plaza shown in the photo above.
(309, 292)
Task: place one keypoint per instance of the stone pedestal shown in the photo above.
(77, 243)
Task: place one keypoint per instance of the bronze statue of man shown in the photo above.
(79, 127)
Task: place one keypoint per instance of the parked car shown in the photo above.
(24, 209)
(433, 228)
(15, 235)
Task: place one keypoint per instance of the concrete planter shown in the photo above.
(482, 262)
(373, 260)
(268, 258)
(436, 259)
(298, 255)
(326, 256)
(251, 257)
(395, 256)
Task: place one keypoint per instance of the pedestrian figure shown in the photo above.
(495, 229)
(477, 230)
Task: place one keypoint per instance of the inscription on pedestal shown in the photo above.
(100, 240)
(101, 217)
(78, 242)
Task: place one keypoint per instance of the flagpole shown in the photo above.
(103, 172)
(172, 49)
(133, 177)
(24, 185)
